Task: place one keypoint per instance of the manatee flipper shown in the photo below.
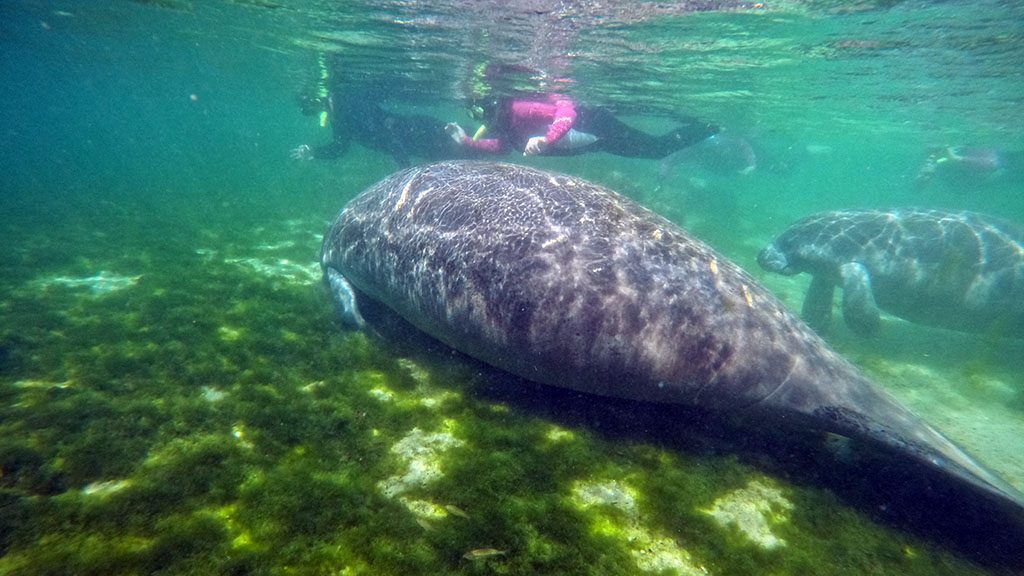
(817, 310)
(859, 309)
(345, 297)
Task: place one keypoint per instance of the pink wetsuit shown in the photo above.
(553, 117)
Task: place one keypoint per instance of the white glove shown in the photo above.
(535, 145)
(455, 132)
(302, 152)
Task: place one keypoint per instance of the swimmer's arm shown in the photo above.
(335, 149)
(565, 118)
(460, 137)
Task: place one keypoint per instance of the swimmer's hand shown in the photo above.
(303, 152)
(535, 145)
(455, 132)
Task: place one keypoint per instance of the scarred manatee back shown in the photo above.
(568, 283)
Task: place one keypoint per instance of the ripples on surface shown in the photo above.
(942, 67)
(946, 68)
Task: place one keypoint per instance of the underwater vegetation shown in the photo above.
(205, 415)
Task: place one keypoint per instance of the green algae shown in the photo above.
(212, 419)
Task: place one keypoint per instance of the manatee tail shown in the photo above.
(953, 496)
(894, 427)
(977, 508)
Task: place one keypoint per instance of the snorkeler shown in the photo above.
(357, 117)
(968, 166)
(554, 125)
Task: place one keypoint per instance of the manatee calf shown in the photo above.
(566, 283)
(957, 270)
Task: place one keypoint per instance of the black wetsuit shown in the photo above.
(402, 136)
(616, 137)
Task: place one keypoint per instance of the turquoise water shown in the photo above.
(177, 397)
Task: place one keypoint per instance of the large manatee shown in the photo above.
(566, 283)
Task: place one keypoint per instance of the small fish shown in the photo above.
(456, 511)
(481, 553)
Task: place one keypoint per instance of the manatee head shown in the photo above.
(774, 258)
(813, 244)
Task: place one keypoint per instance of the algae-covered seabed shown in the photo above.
(176, 397)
